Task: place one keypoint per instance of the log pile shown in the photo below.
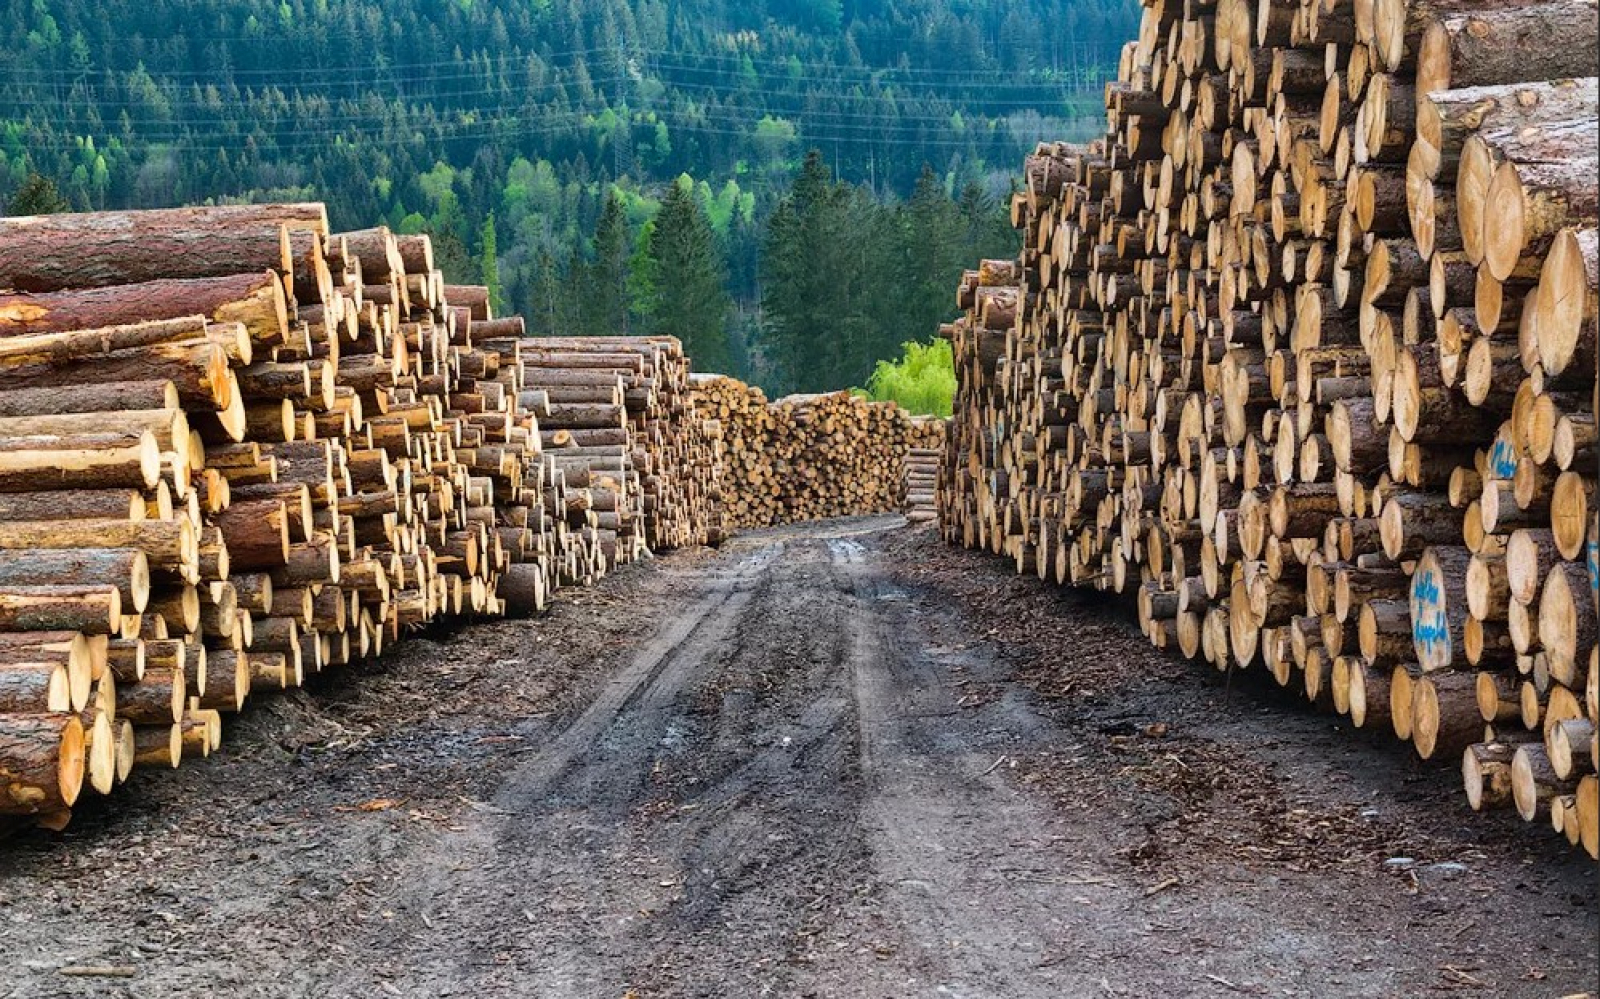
(1301, 357)
(621, 405)
(749, 484)
(805, 457)
(237, 449)
(924, 452)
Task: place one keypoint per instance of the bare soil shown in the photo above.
(838, 760)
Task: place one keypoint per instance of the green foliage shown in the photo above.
(489, 262)
(813, 281)
(447, 227)
(922, 380)
(545, 313)
(567, 122)
(846, 279)
(37, 196)
(689, 300)
(600, 90)
(602, 283)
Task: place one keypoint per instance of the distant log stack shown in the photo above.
(621, 405)
(806, 457)
(749, 485)
(924, 452)
(1301, 356)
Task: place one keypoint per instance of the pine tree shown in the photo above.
(799, 261)
(689, 300)
(988, 231)
(449, 249)
(935, 250)
(37, 196)
(603, 290)
(489, 261)
(828, 320)
(545, 307)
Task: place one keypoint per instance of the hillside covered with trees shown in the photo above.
(788, 185)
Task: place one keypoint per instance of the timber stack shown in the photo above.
(920, 472)
(1301, 357)
(805, 457)
(748, 481)
(237, 449)
(620, 405)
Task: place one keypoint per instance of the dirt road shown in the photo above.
(830, 761)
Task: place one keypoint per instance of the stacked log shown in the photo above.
(237, 449)
(806, 457)
(1301, 356)
(920, 471)
(750, 488)
(621, 405)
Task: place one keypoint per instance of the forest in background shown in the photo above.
(791, 186)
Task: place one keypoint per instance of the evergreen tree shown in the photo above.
(987, 229)
(689, 300)
(449, 248)
(489, 261)
(546, 305)
(603, 292)
(935, 250)
(37, 196)
(820, 283)
(641, 279)
(797, 266)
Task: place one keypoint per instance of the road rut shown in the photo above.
(792, 768)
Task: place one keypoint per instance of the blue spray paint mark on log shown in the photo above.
(1430, 628)
(1594, 564)
(1502, 460)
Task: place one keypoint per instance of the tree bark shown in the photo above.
(41, 762)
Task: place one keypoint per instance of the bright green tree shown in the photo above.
(922, 380)
(489, 260)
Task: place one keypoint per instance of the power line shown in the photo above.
(772, 101)
(351, 75)
(863, 134)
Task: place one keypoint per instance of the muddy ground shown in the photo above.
(832, 761)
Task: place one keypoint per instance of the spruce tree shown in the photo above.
(603, 291)
(449, 248)
(805, 292)
(546, 306)
(689, 298)
(37, 196)
(935, 250)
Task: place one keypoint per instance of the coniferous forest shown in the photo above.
(790, 186)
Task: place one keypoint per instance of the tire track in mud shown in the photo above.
(776, 795)
(949, 836)
(804, 767)
(644, 692)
